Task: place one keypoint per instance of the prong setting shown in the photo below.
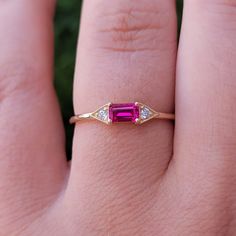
(137, 121)
(109, 121)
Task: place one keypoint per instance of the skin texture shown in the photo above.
(159, 179)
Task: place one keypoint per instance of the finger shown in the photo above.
(32, 164)
(206, 110)
(126, 52)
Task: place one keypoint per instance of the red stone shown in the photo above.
(127, 112)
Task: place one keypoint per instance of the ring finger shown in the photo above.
(126, 53)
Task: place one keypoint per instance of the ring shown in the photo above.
(137, 113)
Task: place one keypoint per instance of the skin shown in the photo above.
(159, 179)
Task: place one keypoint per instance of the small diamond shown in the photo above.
(145, 113)
(103, 114)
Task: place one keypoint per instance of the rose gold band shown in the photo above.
(87, 116)
(137, 113)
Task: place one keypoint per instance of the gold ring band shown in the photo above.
(137, 113)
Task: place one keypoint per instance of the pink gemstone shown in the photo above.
(127, 112)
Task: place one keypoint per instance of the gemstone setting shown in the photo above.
(136, 113)
(145, 113)
(127, 112)
(102, 114)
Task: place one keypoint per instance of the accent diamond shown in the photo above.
(145, 113)
(103, 114)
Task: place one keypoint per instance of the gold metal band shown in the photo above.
(102, 114)
(87, 116)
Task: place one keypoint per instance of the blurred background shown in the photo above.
(67, 23)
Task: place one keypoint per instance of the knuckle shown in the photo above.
(216, 2)
(17, 77)
(130, 27)
(216, 17)
(231, 3)
(226, 9)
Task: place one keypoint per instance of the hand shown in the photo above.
(124, 180)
